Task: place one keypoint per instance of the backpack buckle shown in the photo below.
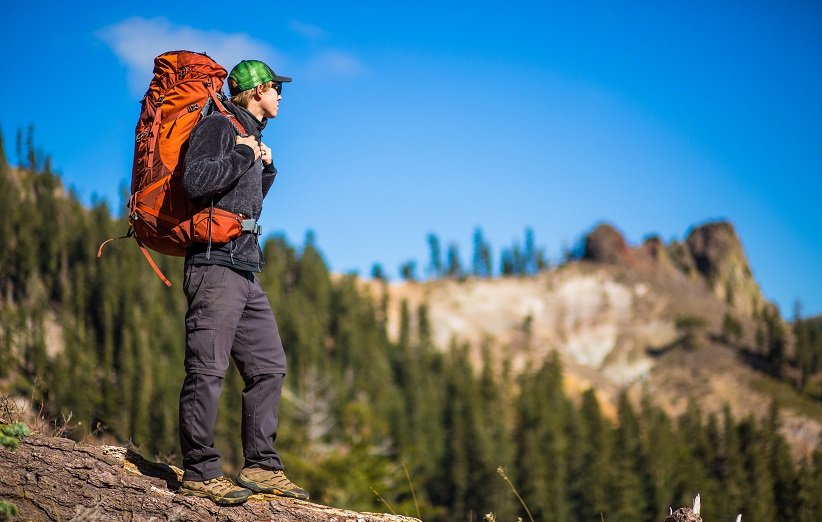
(250, 226)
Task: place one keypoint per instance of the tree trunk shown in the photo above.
(58, 479)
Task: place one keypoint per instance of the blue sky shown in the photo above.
(406, 118)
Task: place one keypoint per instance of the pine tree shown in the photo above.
(457, 459)
(481, 266)
(695, 455)
(454, 263)
(810, 492)
(435, 265)
(498, 449)
(507, 263)
(804, 349)
(543, 444)
(378, 272)
(760, 503)
(773, 335)
(9, 199)
(661, 448)
(780, 467)
(631, 487)
(729, 468)
(529, 263)
(590, 469)
(408, 270)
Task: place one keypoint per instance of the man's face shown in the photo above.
(270, 100)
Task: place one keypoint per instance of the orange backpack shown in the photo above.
(186, 87)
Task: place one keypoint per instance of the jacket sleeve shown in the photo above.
(269, 174)
(214, 161)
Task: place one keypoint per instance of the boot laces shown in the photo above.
(220, 484)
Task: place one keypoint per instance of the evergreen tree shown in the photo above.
(543, 443)
(507, 263)
(454, 264)
(780, 467)
(590, 466)
(773, 336)
(435, 265)
(631, 487)
(378, 273)
(499, 450)
(529, 263)
(408, 270)
(760, 504)
(729, 468)
(661, 449)
(518, 260)
(694, 457)
(810, 492)
(459, 413)
(18, 147)
(9, 199)
(481, 266)
(805, 335)
(542, 260)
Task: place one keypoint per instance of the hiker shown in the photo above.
(228, 311)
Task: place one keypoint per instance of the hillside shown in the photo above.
(618, 318)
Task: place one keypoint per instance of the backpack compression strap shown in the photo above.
(153, 264)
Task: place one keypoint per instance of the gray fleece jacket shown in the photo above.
(216, 167)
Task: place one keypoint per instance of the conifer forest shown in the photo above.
(367, 422)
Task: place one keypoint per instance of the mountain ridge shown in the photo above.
(619, 318)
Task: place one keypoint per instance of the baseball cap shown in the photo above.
(251, 73)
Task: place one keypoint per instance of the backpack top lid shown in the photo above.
(172, 67)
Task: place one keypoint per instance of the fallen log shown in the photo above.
(51, 478)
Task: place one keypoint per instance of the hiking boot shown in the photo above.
(274, 481)
(221, 490)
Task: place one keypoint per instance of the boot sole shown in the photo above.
(220, 501)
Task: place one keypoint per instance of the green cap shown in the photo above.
(249, 74)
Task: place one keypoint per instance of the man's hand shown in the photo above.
(266, 153)
(251, 141)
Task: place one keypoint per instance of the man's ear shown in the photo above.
(258, 91)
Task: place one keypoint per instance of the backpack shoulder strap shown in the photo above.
(218, 105)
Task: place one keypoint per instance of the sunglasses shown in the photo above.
(277, 86)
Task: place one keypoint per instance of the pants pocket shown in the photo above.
(200, 345)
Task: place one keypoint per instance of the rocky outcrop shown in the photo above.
(719, 257)
(654, 249)
(50, 478)
(605, 244)
(712, 252)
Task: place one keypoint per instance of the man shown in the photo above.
(228, 312)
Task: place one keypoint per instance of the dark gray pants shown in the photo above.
(229, 314)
